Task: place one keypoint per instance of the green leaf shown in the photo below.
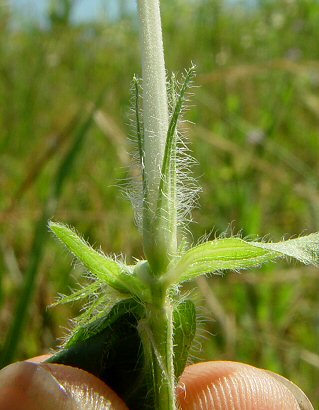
(103, 268)
(305, 249)
(236, 254)
(127, 306)
(139, 127)
(110, 348)
(81, 293)
(184, 317)
(167, 206)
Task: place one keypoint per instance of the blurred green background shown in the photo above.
(64, 122)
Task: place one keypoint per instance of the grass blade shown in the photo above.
(20, 315)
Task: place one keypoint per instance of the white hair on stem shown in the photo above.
(155, 104)
(185, 186)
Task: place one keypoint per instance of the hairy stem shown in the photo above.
(156, 121)
(157, 329)
(157, 336)
(155, 105)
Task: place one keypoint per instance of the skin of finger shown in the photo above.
(31, 386)
(230, 385)
(39, 359)
(302, 399)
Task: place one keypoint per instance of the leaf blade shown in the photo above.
(184, 332)
(305, 248)
(167, 197)
(236, 254)
(102, 267)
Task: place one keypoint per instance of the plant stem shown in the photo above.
(157, 330)
(155, 105)
(155, 120)
(158, 345)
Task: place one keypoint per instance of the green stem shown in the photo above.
(156, 330)
(155, 120)
(155, 105)
(157, 336)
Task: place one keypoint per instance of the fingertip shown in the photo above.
(39, 359)
(228, 385)
(30, 386)
(302, 399)
(85, 388)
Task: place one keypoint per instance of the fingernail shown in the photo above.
(27, 386)
(302, 399)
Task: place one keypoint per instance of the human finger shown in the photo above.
(231, 385)
(43, 386)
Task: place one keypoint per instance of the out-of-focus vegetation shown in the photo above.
(256, 140)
